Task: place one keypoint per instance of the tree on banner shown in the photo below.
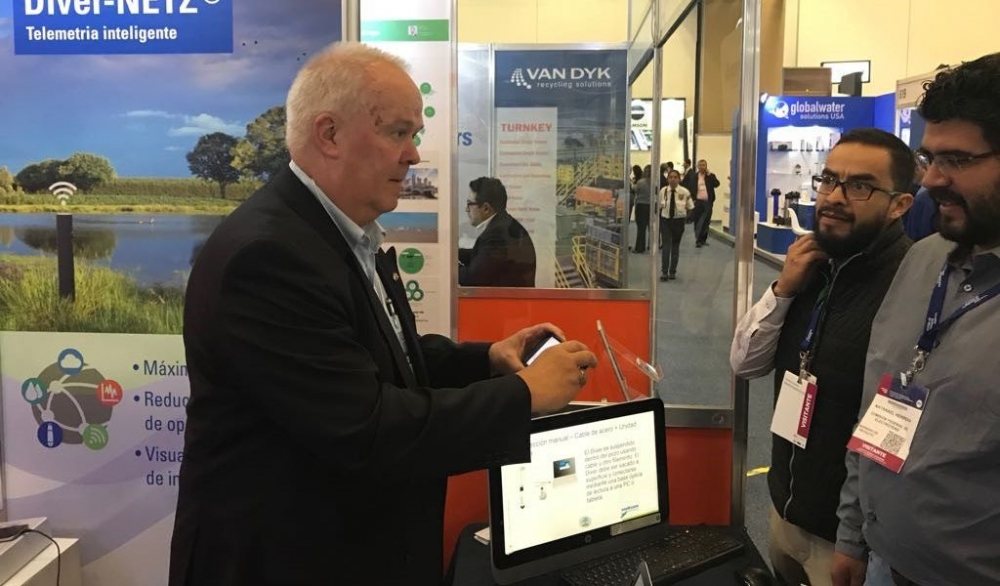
(212, 160)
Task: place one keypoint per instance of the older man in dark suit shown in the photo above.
(702, 185)
(503, 255)
(321, 427)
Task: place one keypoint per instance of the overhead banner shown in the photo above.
(102, 27)
(419, 33)
(560, 140)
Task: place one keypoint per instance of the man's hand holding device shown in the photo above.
(556, 370)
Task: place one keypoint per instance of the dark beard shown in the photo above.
(982, 225)
(860, 238)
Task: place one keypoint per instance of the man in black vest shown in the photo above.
(812, 328)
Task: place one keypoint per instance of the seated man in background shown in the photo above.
(503, 255)
(814, 322)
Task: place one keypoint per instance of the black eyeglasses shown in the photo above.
(853, 188)
(469, 204)
(947, 163)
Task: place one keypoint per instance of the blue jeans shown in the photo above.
(879, 573)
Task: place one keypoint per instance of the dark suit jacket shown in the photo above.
(313, 453)
(691, 183)
(503, 256)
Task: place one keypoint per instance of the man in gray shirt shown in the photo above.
(936, 522)
(643, 188)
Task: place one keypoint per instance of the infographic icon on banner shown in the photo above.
(413, 291)
(72, 402)
(411, 261)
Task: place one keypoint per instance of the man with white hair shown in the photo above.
(321, 427)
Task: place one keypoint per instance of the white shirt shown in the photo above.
(481, 227)
(756, 338)
(682, 197)
(364, 243)
(702, 190)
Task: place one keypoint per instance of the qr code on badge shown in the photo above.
(892, 443)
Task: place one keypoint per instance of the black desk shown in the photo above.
(472, 565)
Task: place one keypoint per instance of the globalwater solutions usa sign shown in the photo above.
(799, 111)
(98, 27)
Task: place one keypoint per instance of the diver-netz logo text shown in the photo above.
(561, 77)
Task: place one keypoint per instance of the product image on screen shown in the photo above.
(585, 477)
(562, 468)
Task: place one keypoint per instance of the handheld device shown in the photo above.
(535, 350)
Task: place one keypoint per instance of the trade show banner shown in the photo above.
(146, 123)
(100, 27)
(93, 438)
(419, 33)
(560, 140)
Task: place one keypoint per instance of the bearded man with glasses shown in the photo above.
(926, 511)
(811, 327)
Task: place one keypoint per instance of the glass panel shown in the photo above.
(639, 12)
(668, 12)
(640, 38)
(694, 264)
(641, 139)
(474, 129)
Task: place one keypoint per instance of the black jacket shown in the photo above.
(805, 483)
(314, 454)
(503, 256)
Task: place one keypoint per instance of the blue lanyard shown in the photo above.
(934, 325)
(805, 347)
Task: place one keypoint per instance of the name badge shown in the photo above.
(887, 429)
(794, 410)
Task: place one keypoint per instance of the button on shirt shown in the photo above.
(364, 243)
(938, 521)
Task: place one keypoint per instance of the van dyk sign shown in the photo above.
(96, 27)
(522, 73)
(549, 77)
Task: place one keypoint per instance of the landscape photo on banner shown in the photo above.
(156, 148)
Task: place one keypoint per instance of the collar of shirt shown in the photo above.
(364, 241)
(482, 225)
(962, 257)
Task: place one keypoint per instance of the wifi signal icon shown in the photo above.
(63, 190)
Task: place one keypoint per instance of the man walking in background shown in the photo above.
(702, 186)
(642, 199)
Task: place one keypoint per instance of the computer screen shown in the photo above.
(594, 475)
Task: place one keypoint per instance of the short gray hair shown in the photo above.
(334, 80)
